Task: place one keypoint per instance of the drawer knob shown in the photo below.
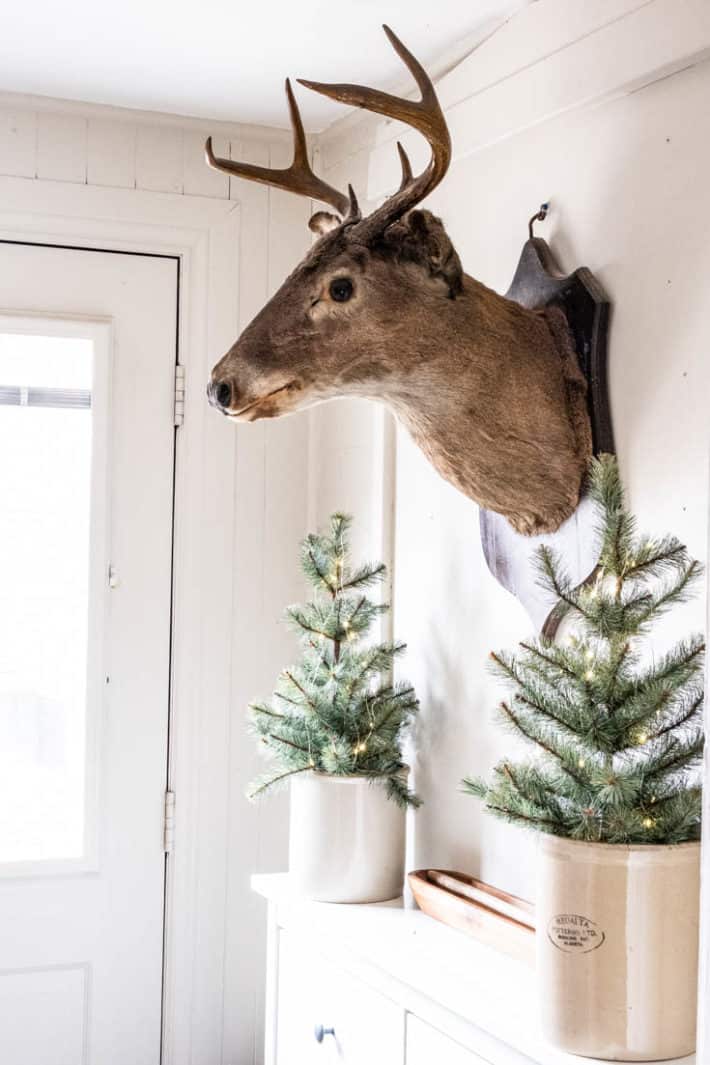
(320, 1032)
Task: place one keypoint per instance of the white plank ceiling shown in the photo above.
(226, 60)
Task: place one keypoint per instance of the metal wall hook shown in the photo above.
(539, 216)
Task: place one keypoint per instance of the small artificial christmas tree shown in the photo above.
(618, 740)
(337, 711)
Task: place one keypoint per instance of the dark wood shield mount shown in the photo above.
(538, 282)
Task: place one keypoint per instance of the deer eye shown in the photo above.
(341, 289)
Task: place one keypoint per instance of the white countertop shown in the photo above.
(483, 987)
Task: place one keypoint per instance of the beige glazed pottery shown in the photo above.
(346, 840)
(617, 948)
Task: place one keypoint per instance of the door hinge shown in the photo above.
(179, 394)
(169, 822)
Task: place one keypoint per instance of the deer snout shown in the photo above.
(219, 393)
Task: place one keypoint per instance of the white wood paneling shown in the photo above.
(198, 178)
(111, 153)
(249, 823)
(618, 57)
(18, 142)
(61, 148)
(271, 493)
(159, 159)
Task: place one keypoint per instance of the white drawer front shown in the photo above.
(426, 1046)
(368, 1028)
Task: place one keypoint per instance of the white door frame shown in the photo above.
(204, 234)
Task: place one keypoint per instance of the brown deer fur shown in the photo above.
(490, 391)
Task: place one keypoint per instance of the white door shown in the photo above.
(87, 357)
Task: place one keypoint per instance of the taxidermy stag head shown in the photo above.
(380, 308)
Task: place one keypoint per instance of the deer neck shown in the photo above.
(490, 397)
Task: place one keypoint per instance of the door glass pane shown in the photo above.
(45, 511)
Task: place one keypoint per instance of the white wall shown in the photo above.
(600, 109)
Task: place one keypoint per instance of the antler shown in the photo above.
(298, 177)
(424, 115)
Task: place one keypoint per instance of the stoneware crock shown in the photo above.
(347, 839)
(617, 948)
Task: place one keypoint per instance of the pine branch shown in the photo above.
(551, 655)
(341, 713)
(287, 742)
(551, 576)
(318, 569)
(686, 715)
(674, 592)
(532, 734)
(524, 819)
(619, 746)
(266, 711)
(652, 558)
(365, 576)
(273, 781)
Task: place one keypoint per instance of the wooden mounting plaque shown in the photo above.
(510, 555)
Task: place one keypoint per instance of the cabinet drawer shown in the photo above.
(426, 1045)
(367, 1027)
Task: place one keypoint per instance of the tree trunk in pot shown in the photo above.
(617, 948)
(347, 839)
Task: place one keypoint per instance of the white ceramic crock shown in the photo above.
(347, 839)
(617, 948)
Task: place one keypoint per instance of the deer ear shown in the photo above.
(323, 222)
(420, 237)
(436, 246)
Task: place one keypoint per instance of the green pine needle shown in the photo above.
(336, 710)
(618, 743)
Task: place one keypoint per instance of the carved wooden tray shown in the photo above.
(499, 920)
(510, 555)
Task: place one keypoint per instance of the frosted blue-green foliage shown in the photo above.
(617, 743)
(336, 710)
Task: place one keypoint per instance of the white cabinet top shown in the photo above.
(434, 971)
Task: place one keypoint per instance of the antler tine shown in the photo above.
(424, 115)
(407, 175)
(298, 177)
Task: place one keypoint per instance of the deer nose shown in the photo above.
(219, 394)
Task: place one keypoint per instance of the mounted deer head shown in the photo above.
(380, 308)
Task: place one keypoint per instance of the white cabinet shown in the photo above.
(389, 986)
(326, 1016)
(428, 1046)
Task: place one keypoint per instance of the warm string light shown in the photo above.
(589, 675)
(648, 822)
(359, 748)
